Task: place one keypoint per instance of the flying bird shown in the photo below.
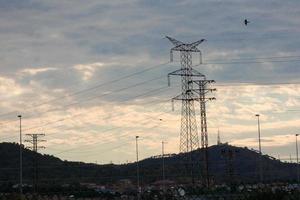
(246, 22)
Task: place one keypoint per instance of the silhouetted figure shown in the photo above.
(246, 22)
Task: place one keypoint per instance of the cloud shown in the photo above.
(9, 87)
(273, 141)
(34, 71)
(88, 70)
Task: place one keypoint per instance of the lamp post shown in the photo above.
(163, 164)
(259, 145)
(137, 167)
(21, 159)
(163, 169)
(298, 176)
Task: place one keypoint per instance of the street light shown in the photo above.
(163, 164)
(258, 128)
(298, 176)
(163, 169)
(259, 146)
(137, 167)
(21, 159)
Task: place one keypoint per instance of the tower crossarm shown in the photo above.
(180, 46)
(194, 44)
(182, 72)
(185, 47)
(193, 99)
(206, 99)
(176, 43)
(204, 91)
(204, 81)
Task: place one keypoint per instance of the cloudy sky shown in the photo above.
(92, 74)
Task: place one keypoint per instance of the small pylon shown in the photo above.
(34, 141)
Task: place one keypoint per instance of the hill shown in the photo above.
(226, 164)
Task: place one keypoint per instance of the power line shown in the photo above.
(130, 76)
(89, 89)
(148, 69)
(254, 58)
(118, 115)
(125, 135)
(77, 115)
(247, 62)
(260, 83)
(222, 39)
(158, 90)
(62, 119)
(94, 97)
(146, 121)
(243, 83)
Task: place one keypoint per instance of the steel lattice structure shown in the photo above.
(34, 141)
(194, 87)
(202, 90)
(189, 140)
(229, 155)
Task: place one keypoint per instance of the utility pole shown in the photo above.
(297, 153)
(163, 163)
(137, 167)
(33, 139)
(259, 145)
(21, 159)
(189, 140)
(163, 166)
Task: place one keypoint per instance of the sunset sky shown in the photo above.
(92, 74)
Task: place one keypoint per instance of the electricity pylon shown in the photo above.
(34, 141)
(229, 155)
(194, 87)
(189, 140)
(202, 90)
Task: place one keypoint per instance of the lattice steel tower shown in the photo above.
(203, 87)
(202, 90)
(34, 140)
(189, 140)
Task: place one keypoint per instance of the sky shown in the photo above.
(92, 74)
